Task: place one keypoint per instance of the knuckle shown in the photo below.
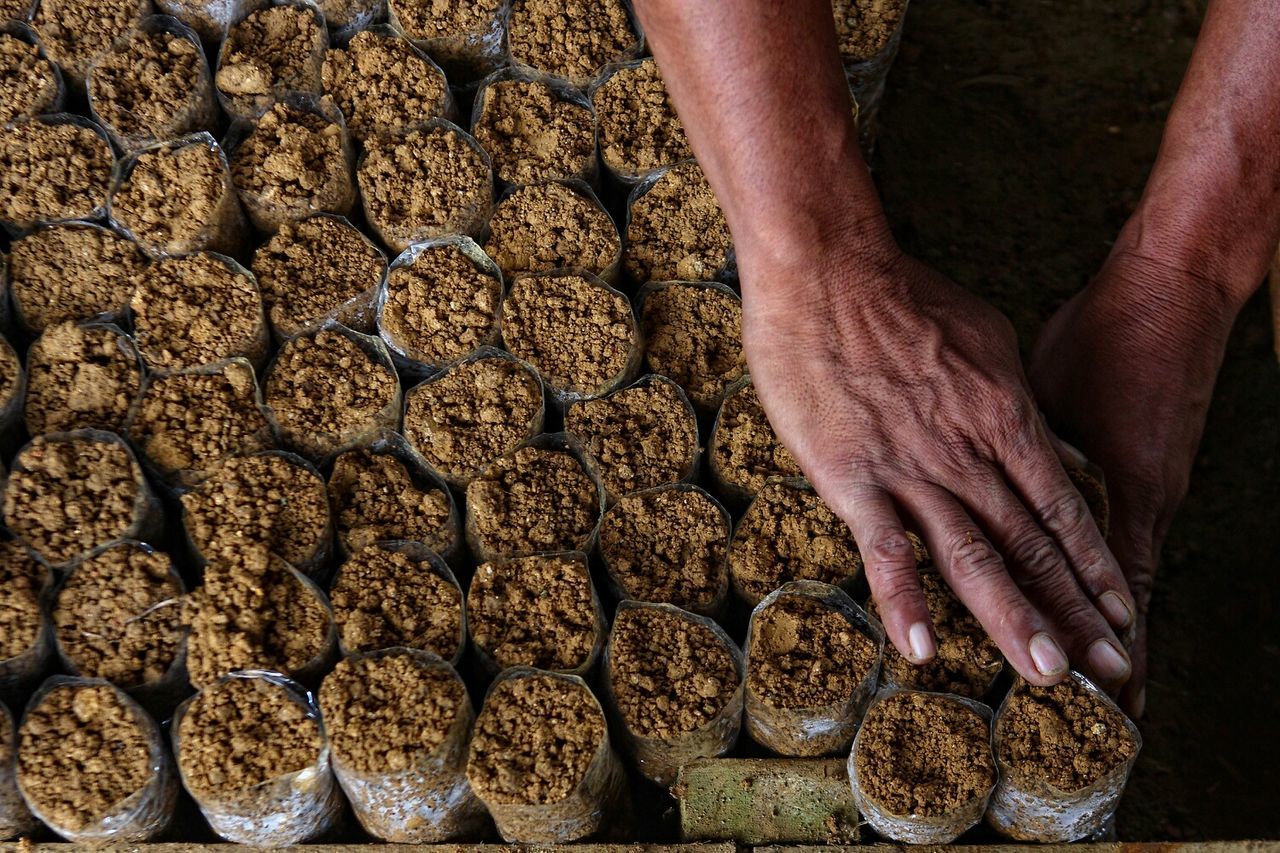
(1066, 513)
(973, 560)
(889, 550)
(1038, 560)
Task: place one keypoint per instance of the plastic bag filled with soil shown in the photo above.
(53, 168)
(13, 388)
(1065, 753)
(26, 635)
(275, 49)
(464, 36)
(15, 818)
(30, 84)
(346, 18)
(17, 10)
(868, 33)
(921, 766)
(399, 724)
(813, 657)
(676, 230)
(571, 39)
(637, 128)
(693, 335)
(75, 32)
(541, 760)
(81, 376)
(675, 681)
(744, 451)
(553, 225)
(92, 765)
(252, 752)
(209, 18)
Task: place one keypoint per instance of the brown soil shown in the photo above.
(532, 501)
(433, 19)
(269, 52)
(259, 501)
(74, 32)
(28, 86)
(67, 496)
(744, 447)
(242, 733)
(549, 226)
(382, 84)
(573, 39)
(805, 654)
(441, 306)
(788, 534)
(576, 332)
(693, 335)
(326, 392)
(1094, 492)
(119, 616)
(172, 201)
(388, 714)
(72, 272)
(10, 372)
(151, 86)
(472, 414)
(677, 230)
(669, 675)
(385, 598)
(864, 27)
(1062, 735)
(375, 499)
(667, 546)
(81, 751)
(534, 611)
(641, 437)
(51, 172)
(638, 127)
(79, 378)
(15, 10)
(196, 310)
(534, 740)
(22, 581)
(533, 135)
(923, 755)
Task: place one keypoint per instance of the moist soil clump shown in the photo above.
(272, 51)
(151, 86)
(375, 499)
(806, 655)
(534, 611)
(172, 201)
(534, 135)
(549, 226)
(51, 172)
(572, 39)
(693, 335)
(744, 448)
(28, 83)
(428, 20)
(676, 229)
(75, 32)
(864, 27)
(80, 377)
(638, 127)
(22, 582)
(382, 84)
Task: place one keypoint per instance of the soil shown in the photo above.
(15, 10)
(669, 675)
(382, 84)
(676, 230)
(10, 373)
(74, 32)
(549, 226)
(693, 335)
(151, 86)
(1094, 492)
(441, 306)
(22, 582)
(196, 310)
(534, 611)
(788, 534)
(375, 499)
(270, 52)
(172, 201)
(385, 598)
(81, 751)
(744, 448)
(638, 127)
(119, 616)
(471, 415)
(264, 500)
(641, 437)
(923, 755)
(80, 377)
(434, 19)
(805, 654)
(579, 334)
(534, 741)
(668, 546)
(51, 172)
(325, 392)
(864, 27)
(572, 39)
(66, 496)
(532, 501)
(71, 272)
(533, 135)
(28, 85)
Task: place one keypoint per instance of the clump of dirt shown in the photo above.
(375, 499)
(119, 616)
(864, 27)
(530, 502)
(271, 51)
(51, 172)
(572, 39)
(693, 335)
(789, 534)
(804, 654)
(80, 377)
(151, 86)
(472, 414)
(15, 10)
(1094, 491)
(74, 32)
(638, 127)
(427, 20)
(382, 84)
(534, 611)
(745, 451)
(677, 230)
(641, 437)
(22, 582)
(10, 373)
(534, 135)
(549, 226)
(384, 598)
(669, 675)
(441, 306)
(923, 755)
(28, 83)
(579, 334)
(173, 202)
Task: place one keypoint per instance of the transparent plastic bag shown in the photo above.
(688, 270)
(23, 32)
(632, 170)
(707, 388)
(11, 406)
(464, 56)
(307, 86)
(581, 81)
(345, 18)
(92, 206)
(20, 672)
(15, 818)
(47, 402)
(867, 76)
(583, 191)
(211, 19)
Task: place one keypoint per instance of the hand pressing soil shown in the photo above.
(533, 134)
(693, 335)
(638, 127)
(383, 84)
(28, 80)
(676, 229)
(51, 172)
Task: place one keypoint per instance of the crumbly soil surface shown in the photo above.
(375, 499)
(80, 377)
(75, 32)
(693, 335)
(28, 86)
(534, 611)
(548, 226)
(72, 272)
(119, 616)
(10, 372)
(151, 86)
(532, 501)
(434, 19)
(271, 51)
(382, 84)
(533, 135)
(81, 751)
(16, 10)
(472, 414)
(641, 437)
(670, 675)
(172, 201)
(385, 598)
(22, 580)
(577, 333)
(534, 741)
(638, 127)
(806, 654)
(864, 27)
(744, 447)
(923, 755)
(51, 172)
(1094, 492)
(573, 39)
(677, 230)
(789, 534)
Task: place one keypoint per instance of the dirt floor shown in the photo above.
(1015, 138)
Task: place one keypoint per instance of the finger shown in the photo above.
(1133, 698)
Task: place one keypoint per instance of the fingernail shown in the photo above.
(1116, 610)
(1108, 662)
(1140, 704)
(920, 638)
(1047, 655)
